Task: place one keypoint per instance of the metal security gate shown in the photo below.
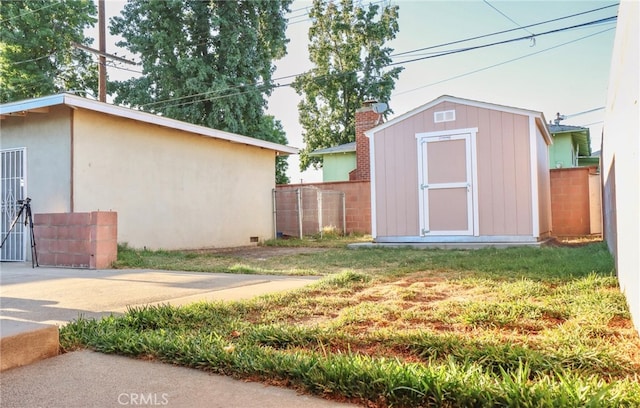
(13, 179)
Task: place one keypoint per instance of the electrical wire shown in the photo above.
(34, 59)
(444, 53)
(504, 31)
(507, 17)
(477, 47)
(53, 3)
(501, 63)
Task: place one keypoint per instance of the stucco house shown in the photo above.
(621, 156)
(458, 170)
(173, 185)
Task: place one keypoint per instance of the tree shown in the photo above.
(37, 56)
(272, 131)
(347, 47)
(205, 62)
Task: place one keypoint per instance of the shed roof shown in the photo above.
(344, 148)
(580, 136)
(40, 105)
(539, 116)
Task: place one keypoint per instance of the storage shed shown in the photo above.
(461, 171)
(174, 185)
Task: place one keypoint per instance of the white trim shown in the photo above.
(535, 206)
(423, 220)
(469, 136)
(79, 102)
(372, 185)
(451, 132)
(474, 186)
(458, 239)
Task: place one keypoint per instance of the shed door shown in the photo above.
(446, 184)
(13, 172)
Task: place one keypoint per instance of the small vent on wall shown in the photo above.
(444, 116)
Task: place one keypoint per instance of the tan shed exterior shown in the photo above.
(508, 179)
(173, 185)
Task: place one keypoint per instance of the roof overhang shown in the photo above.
(41, 105)
(341, 149)
(539, 116)
(580, 136)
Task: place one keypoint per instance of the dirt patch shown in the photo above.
(573, 241)
(262, 252)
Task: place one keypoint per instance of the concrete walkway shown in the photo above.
(32, 301)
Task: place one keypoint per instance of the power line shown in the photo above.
(557, 30)
(504, 31)
(449, 52)
(438, 53)
(217, 91)
(309, 19)
(414, 60)
(53, 3)
(502, 63)
(506, 16)
(34, 59)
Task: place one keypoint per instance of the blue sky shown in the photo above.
(564, 72)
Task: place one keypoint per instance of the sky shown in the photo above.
(564, 72)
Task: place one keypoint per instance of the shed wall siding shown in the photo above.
(544, 187)
(47, 138)
(396, 164)
(503, 169)
(171, 189)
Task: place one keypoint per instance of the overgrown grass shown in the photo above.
(406, 328)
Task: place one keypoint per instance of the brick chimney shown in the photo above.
(366, 119)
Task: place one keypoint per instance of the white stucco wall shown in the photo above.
(621, 156)
(171, 189)
(47, 139)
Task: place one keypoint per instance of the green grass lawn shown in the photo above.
(519, 327)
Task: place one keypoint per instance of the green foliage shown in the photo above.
(271, 130)
(347, 48)
(37, 57)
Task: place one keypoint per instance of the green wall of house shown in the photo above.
(561, 152)
(336, 167)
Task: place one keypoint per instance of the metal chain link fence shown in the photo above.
(308, 211)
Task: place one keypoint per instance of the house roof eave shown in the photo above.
(119, 111)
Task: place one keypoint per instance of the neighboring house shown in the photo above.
(576, 202)
(457, 170)
(621, 156)
(571, 147)
(173, 184)
(337, 161)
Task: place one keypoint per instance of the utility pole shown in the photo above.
(102, 53)
(102, 60)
